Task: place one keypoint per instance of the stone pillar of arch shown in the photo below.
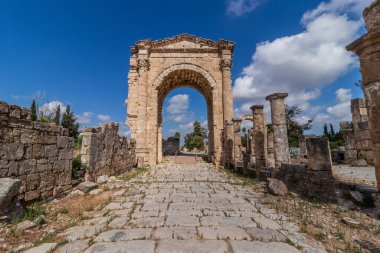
(368, 49)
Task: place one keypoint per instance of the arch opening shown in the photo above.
(185, 78)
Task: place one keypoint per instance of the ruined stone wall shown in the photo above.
(363, 143)
(38, 154)
(314, 179)
(105, 152)
(171, 146)
(351, 153)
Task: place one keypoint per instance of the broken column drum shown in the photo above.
(259, 135)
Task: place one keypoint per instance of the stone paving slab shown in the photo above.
(185, 208)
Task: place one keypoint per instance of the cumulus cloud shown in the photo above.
(48, 109)
(84, 118)
(178, 104)
(302, 64)
(103, 117)
(240, 7)
(338, 112)
(178, 118)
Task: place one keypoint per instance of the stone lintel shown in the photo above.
(276, 96)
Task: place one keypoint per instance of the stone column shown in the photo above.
(270, 149)
(238, 155)
(225, 66)
(259, 134)
(350, 153)
(280, 134)
(228, 143)
(368, 49)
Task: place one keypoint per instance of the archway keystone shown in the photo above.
(157, 68)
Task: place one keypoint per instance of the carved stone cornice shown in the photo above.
(159, 46)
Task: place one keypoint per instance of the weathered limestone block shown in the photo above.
(9, 189)
(318, 152)
(371, 16)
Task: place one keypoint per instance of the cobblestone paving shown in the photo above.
(185, 208)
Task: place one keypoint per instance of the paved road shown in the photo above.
(185, 208)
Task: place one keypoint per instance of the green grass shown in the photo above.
(33, 211)
(134, 173)
(247, 179)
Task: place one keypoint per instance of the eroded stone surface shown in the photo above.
(185, 208)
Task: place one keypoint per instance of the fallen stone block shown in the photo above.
(102, 179)
(87, 186)
(277, 187)
(9, 189)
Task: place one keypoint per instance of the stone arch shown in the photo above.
(184, 66)
(185, 77)
(157, 67)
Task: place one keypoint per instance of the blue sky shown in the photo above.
(77, 52)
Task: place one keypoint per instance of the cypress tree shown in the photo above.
(57, 116)
(326, 131)
(33, 108)
(69, 122)
(332, 132)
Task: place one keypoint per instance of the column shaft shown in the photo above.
(280, 132)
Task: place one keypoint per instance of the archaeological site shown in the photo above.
(257, 181)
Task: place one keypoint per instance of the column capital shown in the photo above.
(275, 96)
(225, 64)
(257, 107)
(143, 63)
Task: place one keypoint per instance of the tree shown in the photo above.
(33, 108)
(295, 129)
(332, 132)
(196, 138)
(69, 122)
(326, 131)
(244, 130)
(57, 116)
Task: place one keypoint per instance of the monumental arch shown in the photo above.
(157, 68)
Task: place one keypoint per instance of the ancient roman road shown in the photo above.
(186, 208)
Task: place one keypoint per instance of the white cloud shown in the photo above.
(343, 95)
(84, 118)
(178, 118)
(302, 64)
(124, 130)
(178, 104)
(103, 117)
(240, 7)
(187, 128)
(355, 7)
(49, 108)
(336, 113)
